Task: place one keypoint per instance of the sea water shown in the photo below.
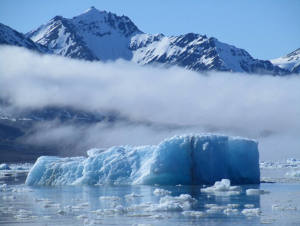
(147, 205)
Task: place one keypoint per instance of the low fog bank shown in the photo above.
(157, 102)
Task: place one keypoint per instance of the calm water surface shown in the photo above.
(138, 205)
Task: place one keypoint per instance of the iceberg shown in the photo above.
(186, 159)
(4, 166)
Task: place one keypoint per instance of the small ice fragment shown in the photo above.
(251, 212)
(132, 196)
(61, 212)
(216, 209)
(4, 166)
(230, 211)
(192, 213)
(161, 192)
(222, 188)
(252, 191)
(233, 206)
(276, 207)
(81, 217)
(109, 198)
(293, 174)
(249, 206)
(210, 205)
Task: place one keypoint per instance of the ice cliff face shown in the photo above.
(189, 159)
(101, 35)
(289, 62)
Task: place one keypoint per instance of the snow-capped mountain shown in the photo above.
(93, 35)
(9, 36)
(289, 62)
(101, 35)
(197, 52)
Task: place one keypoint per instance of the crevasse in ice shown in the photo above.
(186, 159)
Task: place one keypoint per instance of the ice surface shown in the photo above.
(4, 166)
(222, 187)
(187, 159)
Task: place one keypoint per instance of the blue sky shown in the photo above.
(266, 28)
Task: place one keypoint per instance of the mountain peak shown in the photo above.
(102, 35)
(91, 14)
(93, 11)
(105, 22)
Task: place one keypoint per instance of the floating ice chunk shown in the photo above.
(4, 187)
(142, 225)
(9, 197)
(110, 198)
(47, 217)
(251, 212)
(81, 217)
(222, 187)
(233, 206)
(249, 206)
(277, 207)
(192, 213)
(216, 209)
(4, 166)
(210, 205)
(61, 212)
(252, 191)
(161, 192)
(183, 202)
(167, 203)
(230, 211)
(293, 174)
(224, 157)
(132, 196)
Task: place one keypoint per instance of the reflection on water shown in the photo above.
(134, 205)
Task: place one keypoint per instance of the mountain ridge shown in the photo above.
(104, 36)
(9, 36)
(289, 62)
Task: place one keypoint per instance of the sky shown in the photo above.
(267, 29)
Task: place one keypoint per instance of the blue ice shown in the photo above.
(187, 159)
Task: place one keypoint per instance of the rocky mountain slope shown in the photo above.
(101, 35)
(9, 36)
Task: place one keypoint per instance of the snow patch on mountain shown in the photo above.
(290, 62)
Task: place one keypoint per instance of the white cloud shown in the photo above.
(263, 107)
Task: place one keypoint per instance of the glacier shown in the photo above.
(187, 159)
